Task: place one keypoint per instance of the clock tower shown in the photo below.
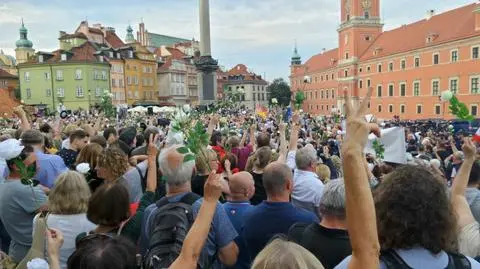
(360, 26)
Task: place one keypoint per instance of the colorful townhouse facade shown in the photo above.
(407, 67)
(252, 86)
(75, 78)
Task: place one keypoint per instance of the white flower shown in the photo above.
(450, 126)
(110, 95)
(446, 96)
(83, 168)
(11, 148)
(241, 91)
(274, 101)
(187, 108)
(21, 101)
(301, 110)
(37, 263)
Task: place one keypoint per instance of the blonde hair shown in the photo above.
(286, 255)
(89, 154)
(70, 194)
(211, 155)
(323, 172)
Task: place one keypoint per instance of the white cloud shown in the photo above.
(258, 33)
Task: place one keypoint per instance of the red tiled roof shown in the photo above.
(239, 69)
(114, 40)
(176, 53)
(165, 66)
(5, 74)
(78, 35)
(320, 61)
(95, 30)
(449, 26)
(84, 52)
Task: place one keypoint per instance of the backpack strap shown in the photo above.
(143, 178)
(458, 261)
(392, 260)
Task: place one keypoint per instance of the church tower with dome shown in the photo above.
(24, 46)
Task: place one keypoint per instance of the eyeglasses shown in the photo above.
(92, 238)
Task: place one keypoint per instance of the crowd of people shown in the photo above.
(267, 192)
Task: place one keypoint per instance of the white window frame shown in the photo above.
(404, 109)
(379, 68)
(478, 52)
(79, 92)
(431, 87)
(435, 109)
(63, 56)
(451, 56)
(433, 58)
(46, 75)
(48, 92)
(28, 93)
(421, 109)
(419, 87)
(471, 106)
(26, 76)
(450, 84)
(400, 89)
(78, 74)
(104, 75)
(393, 91)
(98, 92)
(376, 94)
(392, 108)
(470, 84)
(404, 67)
(61, 92)
(59, 74)
(391, 66)
(379, 108)
(415, 62)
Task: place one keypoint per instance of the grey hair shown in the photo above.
(332, 202)
(175, 175)
(305, 157)
(275, 177)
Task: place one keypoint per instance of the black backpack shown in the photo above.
(169, 225)
(393, 261)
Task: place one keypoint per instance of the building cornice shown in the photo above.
(360, 21)
(32, 65)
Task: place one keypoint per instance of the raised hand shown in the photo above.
(213, 187)
(469, 148)
(152, 150)
(55, 242)
(358, 128)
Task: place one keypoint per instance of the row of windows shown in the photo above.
(260, 96)
(435, 87)
(316, 79)
(3, 83)
(177, 77)
(132, 80)
(97, 75)
(322, 107)
(147, 82)
(454, 57)
(324, 94)
(419, 109)
(117, 83)
(79, 92)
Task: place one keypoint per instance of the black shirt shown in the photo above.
(330, 246)
(69, 157)
(198, 183)
(260, 194)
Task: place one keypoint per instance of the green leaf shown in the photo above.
(182, 150)
(188, 158)
(20, 165)
(25, 181)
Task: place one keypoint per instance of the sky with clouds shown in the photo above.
(258, 33)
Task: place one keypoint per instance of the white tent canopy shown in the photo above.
(139, 109)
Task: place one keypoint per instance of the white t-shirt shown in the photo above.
(70, 226)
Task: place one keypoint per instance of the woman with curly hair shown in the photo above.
(416, 222)
(90, 155)
(113, 166)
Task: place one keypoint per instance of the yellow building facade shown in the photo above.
(140, 75)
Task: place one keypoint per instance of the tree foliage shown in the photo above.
(280, 90)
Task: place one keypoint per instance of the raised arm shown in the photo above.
(152, 152)
(196, 237)
(212, 124)
(25, 123)
(460, 183)
(361, 220)
(252, 141)
(283, 143)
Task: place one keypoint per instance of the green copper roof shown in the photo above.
(23, 42)
(157, 40)
(129, 38)
(295, 54)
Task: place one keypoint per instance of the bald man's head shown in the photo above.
(277, 179)
(242, 186)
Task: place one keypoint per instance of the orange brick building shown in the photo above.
(408, 67)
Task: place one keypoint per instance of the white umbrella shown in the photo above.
(138, 109)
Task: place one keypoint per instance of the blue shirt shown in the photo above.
(417, 258)
(221, 232)
(48, 168)
(267, 220)
(236, 212)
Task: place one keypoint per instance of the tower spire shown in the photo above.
(23, 25)
(296, 59)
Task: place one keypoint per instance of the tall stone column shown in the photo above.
(205, 63)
